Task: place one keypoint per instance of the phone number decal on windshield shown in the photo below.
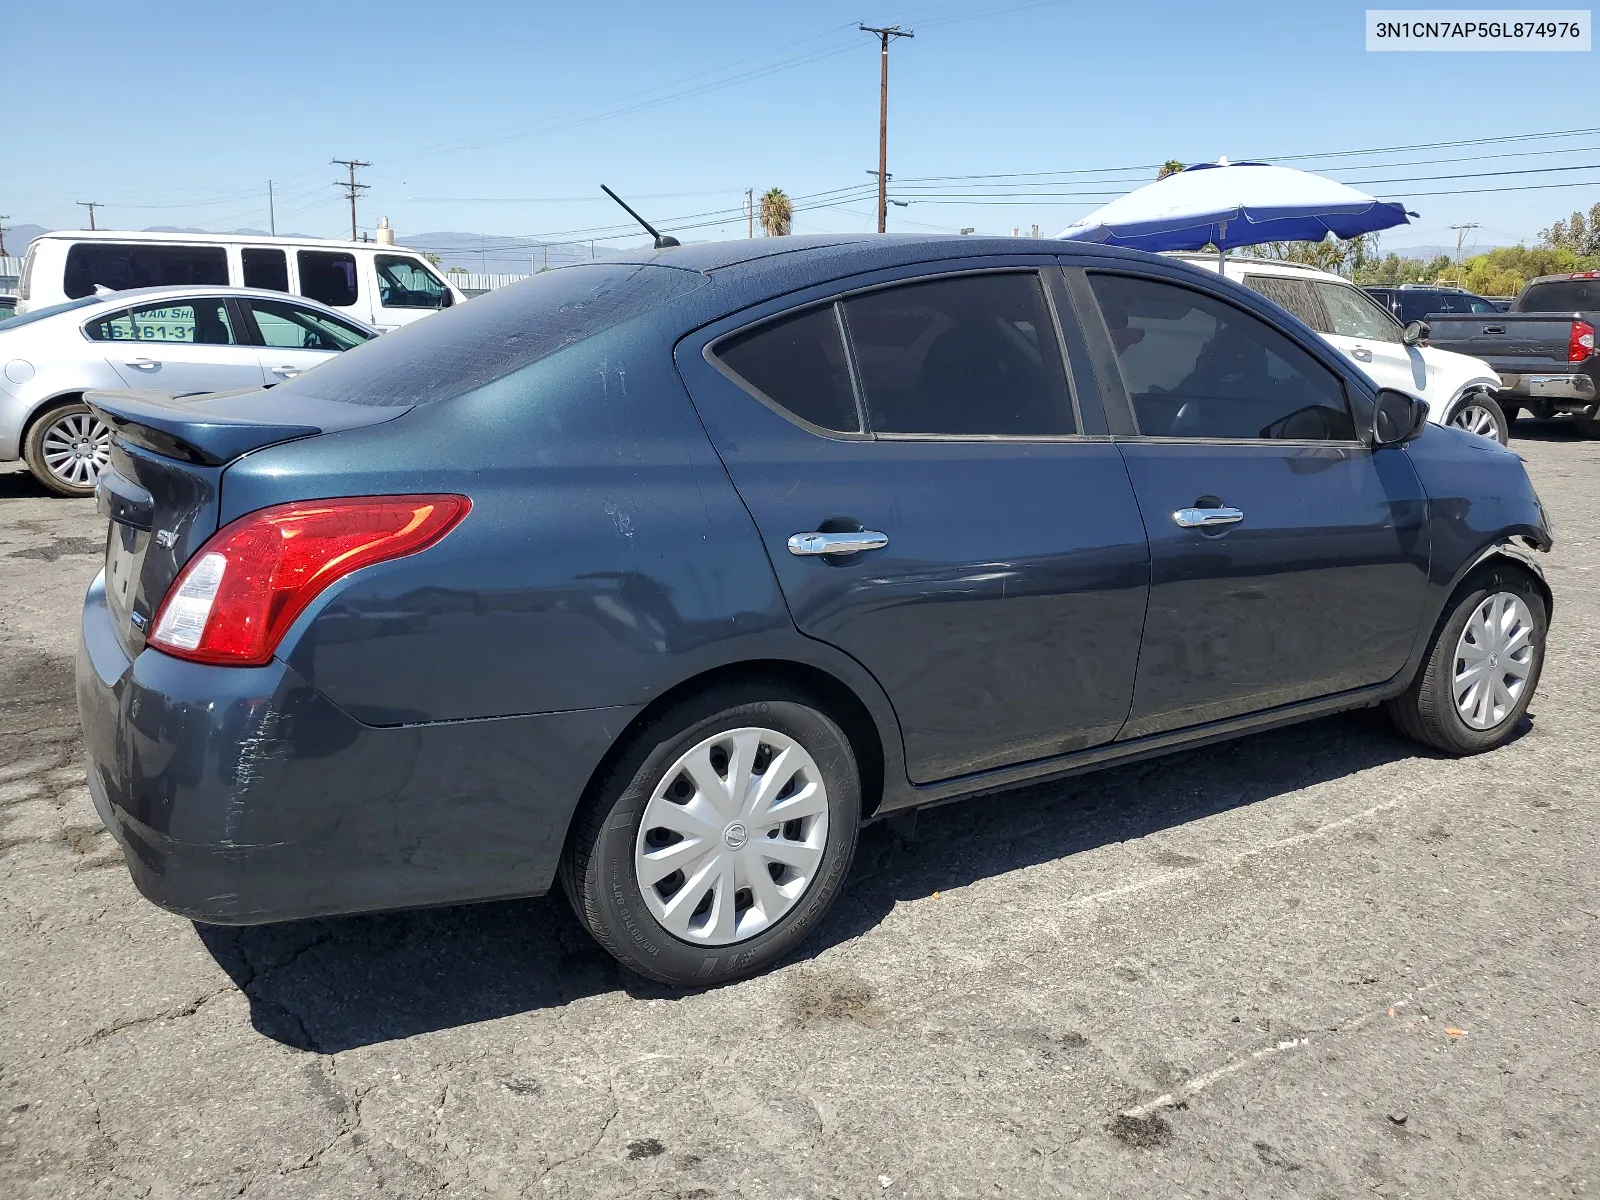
(1515, 29)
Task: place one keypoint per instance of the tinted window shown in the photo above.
(971, 355)
(1352, 313)
(1562, 295)
(199, 323)
(1296, 295)
(406, 283)
(1198, 367)
(328, 276)
(798, 363)
(268, 269)
(120, 267)
(113, 327)
(501, 332)
(295, 327)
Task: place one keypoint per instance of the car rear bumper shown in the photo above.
(243, 795)
(1566, 389)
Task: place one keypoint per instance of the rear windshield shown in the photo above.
(40, 314)
(1562, 295)
(463, 348)
(120, 266)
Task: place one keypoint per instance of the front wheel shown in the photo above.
(1480, 413)
(719, 839)
(67, 448)
(1482, 668)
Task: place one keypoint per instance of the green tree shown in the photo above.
(1577, 233)
(1506, 270)
(1343, 257)
(432, 258)
(1171, 167)
(777, 213)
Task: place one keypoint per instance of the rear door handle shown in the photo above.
(1362, 353)
(286, 372)
(142, 364)
(1201, 518)
(805, 544)
(1494, 328)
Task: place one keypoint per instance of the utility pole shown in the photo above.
(884, 35)
(4, 217)
(1461, 232)
(352, 188)
(91, 205)
(272, 211)
(750, 210)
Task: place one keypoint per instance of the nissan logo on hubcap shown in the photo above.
(735, 835)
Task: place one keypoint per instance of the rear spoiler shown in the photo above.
(214, 428)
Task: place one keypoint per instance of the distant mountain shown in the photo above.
(18, 237)
(501, 254)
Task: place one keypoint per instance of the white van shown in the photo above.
(383, 286)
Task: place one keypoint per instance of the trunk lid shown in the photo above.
(161, 491)
(1510, 342)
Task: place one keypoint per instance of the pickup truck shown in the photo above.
(1542, 349)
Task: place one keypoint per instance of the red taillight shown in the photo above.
(240, 593)
(1581, 344)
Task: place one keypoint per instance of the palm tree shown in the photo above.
(777, 213)
(1171, 167)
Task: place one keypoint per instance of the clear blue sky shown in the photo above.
(488, 116)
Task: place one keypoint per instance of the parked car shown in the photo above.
(1408, 302)
(1459, 389)
(662, 575)
(378, 285)
(182, 341)
(1542, 351)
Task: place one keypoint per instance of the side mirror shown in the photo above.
(1397, 417)
(1415, 333)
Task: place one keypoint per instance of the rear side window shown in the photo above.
(466, 347)
(797, 363)
(1296, 295)
(971, 354)
(266, 269)
(1353, 313)
(328, 276)
(1197, 367)
(120, 266)
(1562, 295)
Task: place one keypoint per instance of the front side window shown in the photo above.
(971, 354)
(1296, 295)
(328, 276)
(294, 327)
(1352, 313)
(119, 266)
(406, 283)
(265, 268)
(1197, 367)
(798, 364)
(198, 323)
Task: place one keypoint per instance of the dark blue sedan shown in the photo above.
(662, 576)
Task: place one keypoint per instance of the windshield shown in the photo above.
(1562, 295)
(51, 310)
(466, 347)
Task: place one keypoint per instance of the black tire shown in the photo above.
(1426, 712)
(33, 448)
(1487, 404)
(597, 868)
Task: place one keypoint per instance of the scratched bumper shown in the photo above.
(243, 795)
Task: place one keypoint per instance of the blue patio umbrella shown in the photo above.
(1227, 205)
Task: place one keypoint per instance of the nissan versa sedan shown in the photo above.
(660, 577)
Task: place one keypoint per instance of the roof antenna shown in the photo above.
(663, 240)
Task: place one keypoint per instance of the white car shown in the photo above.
(381, 285)
(178, 340)
(1459, 389)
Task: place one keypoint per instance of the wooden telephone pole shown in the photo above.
(884, 35)
(91, 205)
(352, 188)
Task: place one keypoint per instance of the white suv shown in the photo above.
(1459, 390)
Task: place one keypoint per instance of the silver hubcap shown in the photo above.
(732, 837)
(1493, 660)
(76, 448)
(1475, 418)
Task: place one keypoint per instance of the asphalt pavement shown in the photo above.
(1317, 962)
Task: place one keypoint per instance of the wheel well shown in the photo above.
(833, 697)
(1503, 560)
(45, 406)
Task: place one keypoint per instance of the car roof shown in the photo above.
(211, 239)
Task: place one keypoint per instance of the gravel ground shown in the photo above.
(1314, 962)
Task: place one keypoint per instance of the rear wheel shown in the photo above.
(719, 838)
(66, 449)
(1482, 669)
(1481, 414)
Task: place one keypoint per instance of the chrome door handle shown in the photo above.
(1362, 353)
(1494, 328)
(286, 372)
(804, 544)
(1201, 518)
(142, 364)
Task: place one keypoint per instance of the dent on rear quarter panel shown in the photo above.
(605, 559)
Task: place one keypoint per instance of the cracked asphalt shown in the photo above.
(1315, 962)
